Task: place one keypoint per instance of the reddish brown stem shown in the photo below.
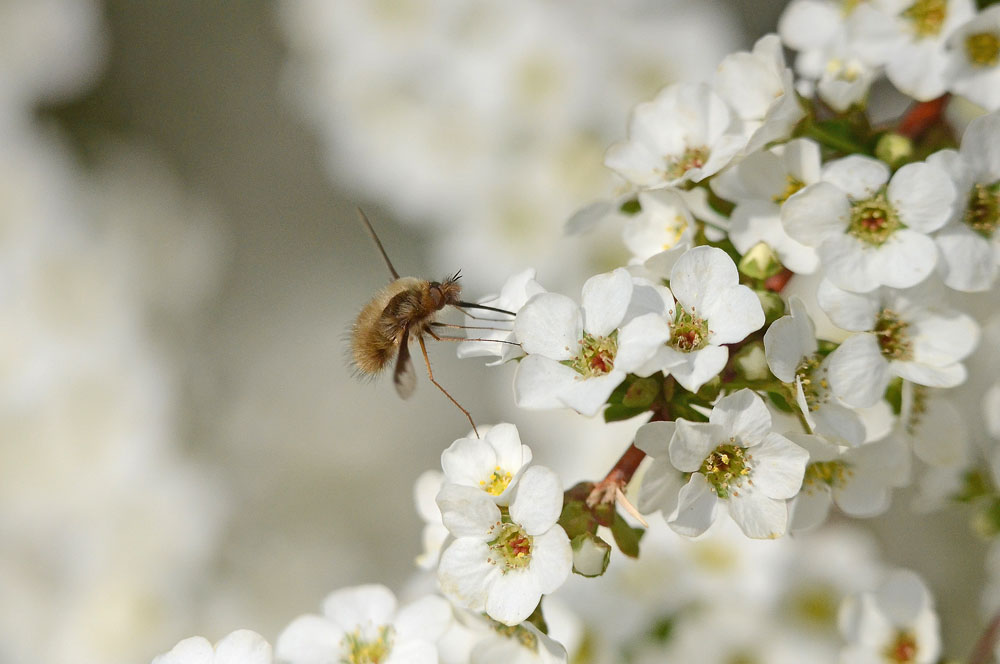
(922, 117)
(617, 477)
(983, 651)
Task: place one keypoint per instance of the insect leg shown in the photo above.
(430, 375)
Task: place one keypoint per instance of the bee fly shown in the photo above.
(405, 309)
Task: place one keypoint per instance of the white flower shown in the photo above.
(974, 67)
(909, 39)
(486, 324)
(970, 243)
(577, 355)
(813, 28)
(503, 565)
(239, 647)
(858, 480)
(712, 309)
(736, 459)
(363, 624)
(870, 230)
(846, 78)
(895, 623)
(759, 185)
(434, 534)
(759, 88)
(905, 334)
(492, 463)
(791, 349)
(683, 135)
(663, 223)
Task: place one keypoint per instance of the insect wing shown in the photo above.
(404, 377)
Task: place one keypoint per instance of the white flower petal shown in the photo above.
(360, 605)
(816, 213)
(425, 619)
(539, 381)
(243, 647)
(858, 372)
(789, 340)
(810, 508)
(549, 324)
(412, 652)
(696, 368)
(758, 516)
(923, 196)
(906, 259)
(639, 340)
(605, 300)
(700, 274)
(968, 259)
(733, 315)
(696, 507)
(512, 597)
(538, 500)
(467, 511)
(742, 415)
(852, 311)
(193, 650)
(931, 376)
(464, 574)
(551, 559)
(692, 442)
(654, 438)
(856, 175)
(511, 455)
(660, 488)
(309, 639)
(468, 461)
(588, 395)
(902, 597)
(778, 466)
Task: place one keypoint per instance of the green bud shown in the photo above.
(591, 555)
(894, 149)
(641, 393)
(760, 262)
(750, 362)
(773, 305)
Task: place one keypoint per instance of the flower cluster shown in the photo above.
(781, 332)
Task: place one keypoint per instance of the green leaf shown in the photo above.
(619, 412)
(631, 206)
(779, 401)
(626, 537)
(894, 395)
(591, 555)
(576, 518)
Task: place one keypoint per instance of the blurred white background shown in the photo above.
(184, 448)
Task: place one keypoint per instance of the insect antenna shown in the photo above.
(378, 243)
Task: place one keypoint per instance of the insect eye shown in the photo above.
(437, 296)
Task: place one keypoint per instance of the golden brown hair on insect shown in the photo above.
(406, 308)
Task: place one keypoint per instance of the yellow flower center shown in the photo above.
(361, 650)
(983, 211)
(983, 49)
(694, 157)
(833, 474)
(725, 468)
(874, 220)
(792, 185)
(893, 340)
(689, 332)
(596, 356)
(927, 17)
(512, 548)
(497, 482)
